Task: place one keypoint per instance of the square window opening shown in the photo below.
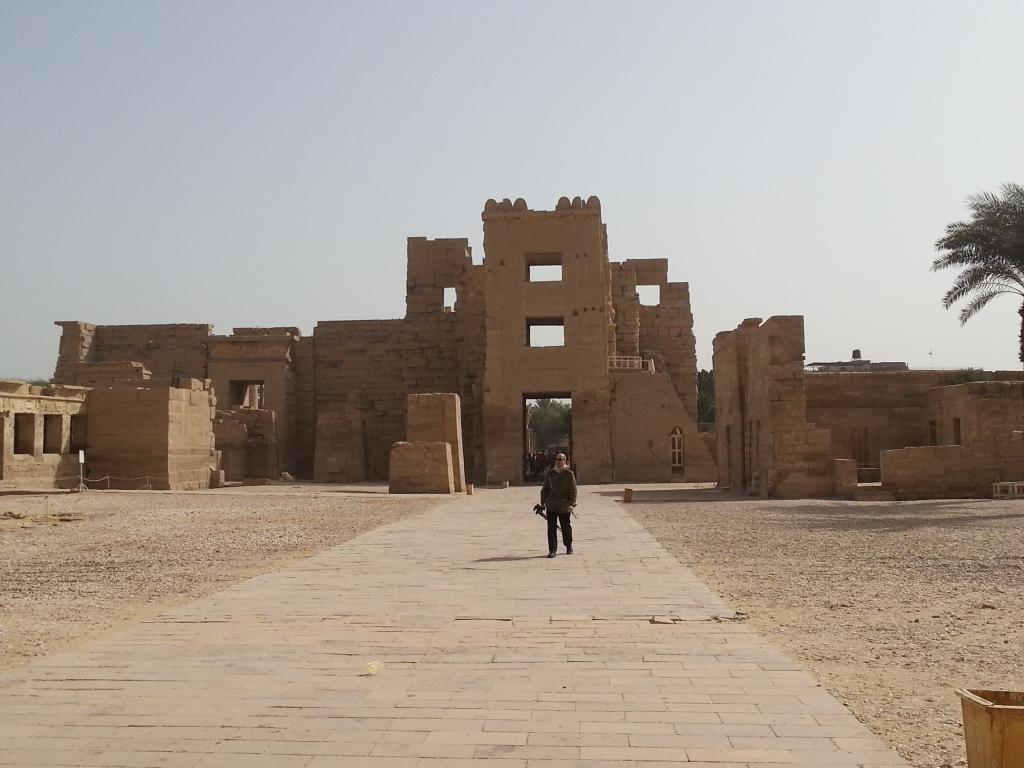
(544, 267)
(247, 394)
(24, 433)
(450, 297)
(53, 432)
(650, 295)
(545, 332)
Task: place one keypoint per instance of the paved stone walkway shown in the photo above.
(487, 652)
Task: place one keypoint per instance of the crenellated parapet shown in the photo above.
(576, 206)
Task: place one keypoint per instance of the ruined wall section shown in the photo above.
(730, 353)
(38, 443)
(75, 346)
(455, 330)
(953, 471)
(247, 440)
(872, 412)
(259, 357)
(168, 351)
(626, 302)
(664, 331)
(359, 365)
(364, 370)
(783, 455)
(979, 439)
(304, 369)
(983, 410)
(160, 437)
(114, 374)
(644, 411)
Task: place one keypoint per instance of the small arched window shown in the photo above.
(675, 441)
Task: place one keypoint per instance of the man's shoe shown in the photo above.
(568, 550)
(551, 554)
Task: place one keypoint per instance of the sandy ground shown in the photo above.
(74, 565)
(892, 605)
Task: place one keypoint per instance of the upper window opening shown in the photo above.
(543, 267)
(450, 297)
(545, 332)
(650, 295)
(247, 394)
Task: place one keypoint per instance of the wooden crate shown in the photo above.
(993, 728)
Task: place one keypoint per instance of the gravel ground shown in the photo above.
(73, 565)
(892, 605)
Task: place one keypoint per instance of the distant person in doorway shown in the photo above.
(558, 497)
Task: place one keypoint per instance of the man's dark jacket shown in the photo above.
(558, 493)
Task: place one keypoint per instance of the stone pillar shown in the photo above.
(437, 417)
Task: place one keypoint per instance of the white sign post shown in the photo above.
(81, 465)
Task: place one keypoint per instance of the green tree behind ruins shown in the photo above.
(989, 251)
(550, 422)
(705, 396)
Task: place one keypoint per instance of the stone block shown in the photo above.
(424, 467)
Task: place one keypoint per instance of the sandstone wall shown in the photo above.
(247, 441)
(437, 417)
(983, 409)
(341, 447)
(953, 471)
(644, 411)
(304, 367)
(421, 468)
(263, 357)
(766, 443)
(112, 374)
(871, 412)
(340, 395)
(37, 445)
(161, 437)
(168, 351)
(572, 236)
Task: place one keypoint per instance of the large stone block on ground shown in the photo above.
(438, 417)
(421, 468)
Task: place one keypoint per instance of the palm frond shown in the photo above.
(977, 304)
(978, 281)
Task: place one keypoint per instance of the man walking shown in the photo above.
(558, 497)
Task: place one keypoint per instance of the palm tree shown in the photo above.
(989, 249)
(550, 421)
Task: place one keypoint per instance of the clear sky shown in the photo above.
(257, 163)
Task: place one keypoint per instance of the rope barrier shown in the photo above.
(85, 482)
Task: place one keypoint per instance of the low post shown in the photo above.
(627, 496)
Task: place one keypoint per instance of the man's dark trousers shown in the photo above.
(562, 519)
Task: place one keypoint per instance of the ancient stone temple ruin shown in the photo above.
(856, 430)
(330, 406)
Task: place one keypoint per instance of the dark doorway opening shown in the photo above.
(547, 430)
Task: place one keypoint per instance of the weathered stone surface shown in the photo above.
(340, 395)
(421, 468)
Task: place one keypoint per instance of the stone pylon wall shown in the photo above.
(573, 237)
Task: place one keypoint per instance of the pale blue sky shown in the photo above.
(246, 163)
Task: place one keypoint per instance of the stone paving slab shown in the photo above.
(486, 654)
